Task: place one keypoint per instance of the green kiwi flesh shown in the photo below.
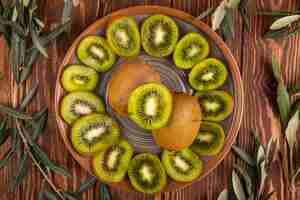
(210, 139)
(150, 106)
(111, 164)
(209, 74)
(190, 50)
(183, 165)
(80, 103)
(79, 78)
(93, 133)
(146, 173)
(123, 36)
(216, 105)
(159, 35)
(95, 52)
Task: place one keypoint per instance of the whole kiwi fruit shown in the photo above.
(150, 106)
(183, 165)
(146, 173)
(93, 133)
(80, 103)
(111, 164)
(125, 79)
(183, 125)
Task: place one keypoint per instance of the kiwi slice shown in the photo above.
(150, 106)
(210, 139)
(183, 165)
(209, 74)
(216, 105)
(95, 52)
(159, 35)
(111, 164)
(190, 50)
(123, 36)
(79, 77)
(93, 133)
(146, 173)
(77, 104)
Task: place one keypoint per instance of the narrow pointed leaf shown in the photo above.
(233, 3)
(223, 195)
(50, 195)
(244, 156)
(284, 22)
(104, 192)
(227, 25)
(263, 177)
(291, 130)
(4, 133)
(205, 14)
(14, 113)
(60, 170)
(246, 177)
(89, 183)
(260, 155)
(70, 196)
(41, 195)
(27, 99)
(67, 12)
(40, 155)
(283, 102)
(238, 187)
(218, 15)
(41, 113)
(295, 176)
(22, 170)
(41, 125)
(36, 41)
(276, 69)
(12, 150)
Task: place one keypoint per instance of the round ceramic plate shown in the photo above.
(175, 79)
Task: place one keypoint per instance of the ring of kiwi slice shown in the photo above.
(183, 165)
(216, 105)
(150, 106)
(190, 50)
(123, 36)
(146, 173)
(209, 74)
(93, 133)
(159, 35)
(210, 139)
(79, 78)
(80, 103)
(111, 164)
(94, 51)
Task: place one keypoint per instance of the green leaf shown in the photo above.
(50, 195)
(257, 138)
(218, 15)
(40, 155)
(291, 131)
(12, 150)
(233, 3)
(41, 113)
(14, 55)
(246, 177)
(263, 177)
(227, 25)
(260, 155)
(14, 113)
(276, 69)
(67, 13)
(41, 126)
(36, 41)
(284, 22)
(22, 170)
(27, 99)
(104, 192)
(244, 156)
(60, 170)
(278, 13)
(4, 133)
(14, 26)
(70, 196)
(87, 184)
(206, 13)
(223, 195)
(41, 195)
(283, 102)
(238, 187)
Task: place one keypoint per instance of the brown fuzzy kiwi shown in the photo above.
(125, 79)
(184, 123)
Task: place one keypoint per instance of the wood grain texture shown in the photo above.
(250, 50)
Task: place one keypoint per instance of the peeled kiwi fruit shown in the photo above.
(77, 104)
(125, 79)
(150, 106)
(93, 133)
(216, 105)
(159, 35)
(79, 77)
(123, 36)
(190, 50)
(95, 52)
(210, 139)
(183, 125)
(146, 173)
(209, 74)
(183, 165)
(111, 164)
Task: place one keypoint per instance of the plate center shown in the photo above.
(141, 139)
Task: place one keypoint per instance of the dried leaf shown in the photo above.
(67, 12)
(276, 69)
(291, 130)
(233, 3)
(246, 177)
(205, 14)
(283, 102)
(87, 185)
(218, 15)
(260, 155)
(263, 177)
(27, 99)
(238, 187)
(245, 18)
(244, 156)
(223, 195)
(270, 151)
(4, 133)
(37, 42)
(14, 113)
(294, 177)
(104, 191)
(284, 22)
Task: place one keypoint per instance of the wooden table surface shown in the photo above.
(251, 51)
